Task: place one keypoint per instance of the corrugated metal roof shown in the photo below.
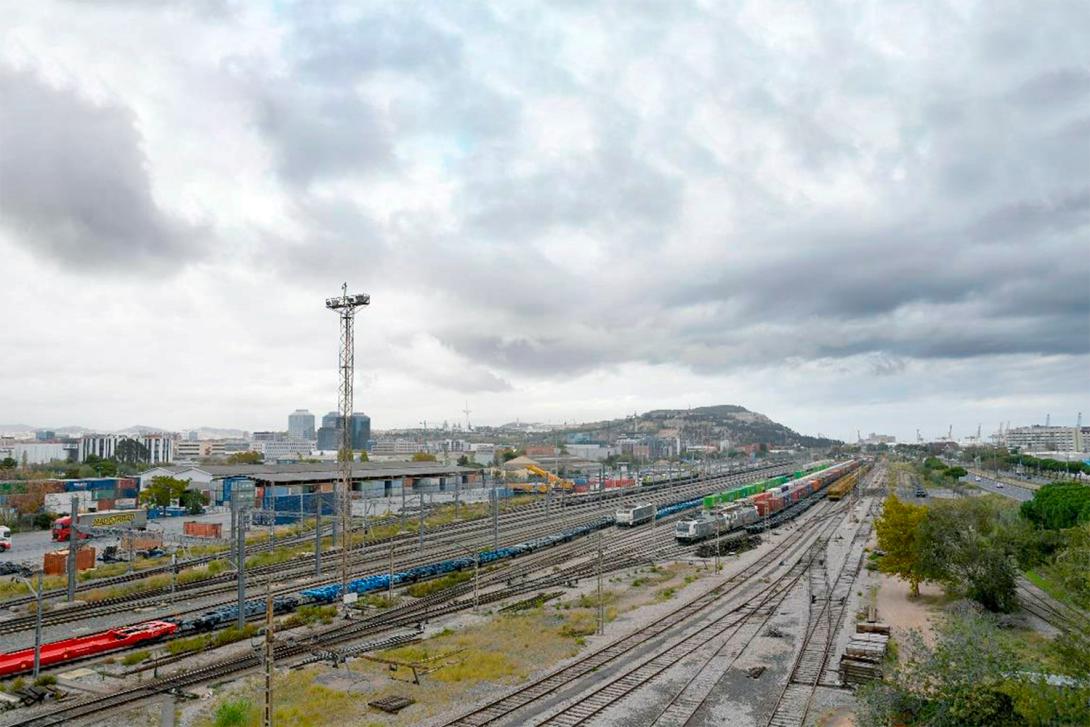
(378, 473)
(323, 470)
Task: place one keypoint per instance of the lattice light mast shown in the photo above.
(346, 306)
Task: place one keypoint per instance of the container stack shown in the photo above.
(862, 660)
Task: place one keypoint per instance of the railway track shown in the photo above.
(1058, 615)
(829, 599)
(444, 545)
(756, 611)
(549, 685)
(447, 601)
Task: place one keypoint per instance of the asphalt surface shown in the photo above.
(999, 488)
(31, 547)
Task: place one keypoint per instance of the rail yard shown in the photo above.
(673, 670)
(739, 597)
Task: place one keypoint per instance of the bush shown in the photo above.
(233, 714)
(419, 590)
(44, 520)
(45, 680)
(135, 657)
(1058, 505)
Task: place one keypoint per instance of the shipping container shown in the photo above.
(202, 530)
(55, 563)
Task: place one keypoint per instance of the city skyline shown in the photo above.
(843, 220)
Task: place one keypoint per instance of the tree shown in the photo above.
(423, 457)
(193, 501)
(163, 490)
(363, 456)
(1058, 505)
(961, 544)
(131, 451)
(463, 461)
(8, 463)
(509, 454)
(246, 458)
(962, 680)
(955, 473)
(898, 538)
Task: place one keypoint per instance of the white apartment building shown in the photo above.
(396, 446)
(1046, 439)
(160, 447)
(34, 452)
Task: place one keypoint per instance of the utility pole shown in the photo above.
(317, 534)
(240, 557)
(495, 516)
(73, 547)
(346, 306)
(37, 626)
(420, 527)
(601, 603)
(269, 651)
(390, 581)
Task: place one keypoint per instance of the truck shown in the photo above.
(133, 519)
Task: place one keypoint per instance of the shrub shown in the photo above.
(233, 714)
(135, 657)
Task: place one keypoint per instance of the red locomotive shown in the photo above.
(59, 652)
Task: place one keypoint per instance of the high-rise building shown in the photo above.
(329, 435)
(361, 430)
(301, 424)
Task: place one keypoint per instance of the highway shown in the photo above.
(999, 488)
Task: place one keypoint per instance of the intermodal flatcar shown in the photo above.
(81, 647)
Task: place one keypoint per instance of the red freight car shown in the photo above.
(59, 652)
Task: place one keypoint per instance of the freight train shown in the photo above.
(115, 639)
(637, 515)
(750, 503)
(150, 631)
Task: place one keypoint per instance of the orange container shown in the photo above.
(202, 530)
(55, 562)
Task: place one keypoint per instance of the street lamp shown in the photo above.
(37, 620)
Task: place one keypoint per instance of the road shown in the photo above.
(31, 547)
(998, 488)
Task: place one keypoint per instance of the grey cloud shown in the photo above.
(957, 262)
(330, 50)
(1061, 87)
(324, 133)
(74, 185)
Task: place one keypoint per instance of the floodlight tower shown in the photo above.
(346, 306)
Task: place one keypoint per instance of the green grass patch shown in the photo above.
(419, 590)
(190, 645)
(665, 594)
(135, 657)
(307, 615)
(235, 713)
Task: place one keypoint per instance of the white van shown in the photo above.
(5, 538)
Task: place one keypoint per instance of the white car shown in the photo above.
(5, 538)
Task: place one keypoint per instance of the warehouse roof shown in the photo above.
(322, 470)
(378, 473)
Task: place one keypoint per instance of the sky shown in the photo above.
(850, 215)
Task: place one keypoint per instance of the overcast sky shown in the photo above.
(846, 216)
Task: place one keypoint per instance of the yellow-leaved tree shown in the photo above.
(898, 534)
